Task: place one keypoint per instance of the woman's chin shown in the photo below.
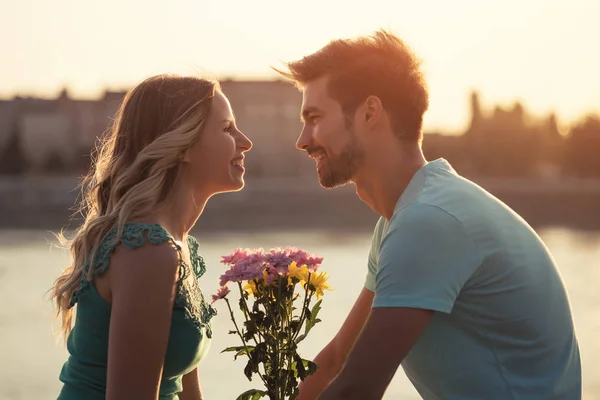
(235, 185)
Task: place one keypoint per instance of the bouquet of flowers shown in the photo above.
(276, 289)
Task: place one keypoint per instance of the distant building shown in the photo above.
(64, 130)
(510, 142)
(40, 136)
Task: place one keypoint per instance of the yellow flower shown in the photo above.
(301, 273)
(251, 288)
(318, 283)
(290, 282)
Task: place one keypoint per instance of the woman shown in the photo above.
(142, 323)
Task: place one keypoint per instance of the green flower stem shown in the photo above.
(305, 304)
(289, 315)
(267, 306)
(278, 331)
(241, 336)
(280, 354)
(246, 311)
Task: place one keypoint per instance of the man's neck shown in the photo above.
(383, 180)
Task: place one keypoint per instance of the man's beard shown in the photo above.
(340, 170)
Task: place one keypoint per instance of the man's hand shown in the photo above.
(386, 339)
(333, 356)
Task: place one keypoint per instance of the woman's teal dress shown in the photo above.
(84, 373)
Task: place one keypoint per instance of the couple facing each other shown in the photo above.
(459, 290)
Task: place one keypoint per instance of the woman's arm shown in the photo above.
(143, 286)
(191, 386)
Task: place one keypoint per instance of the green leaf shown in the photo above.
(243, 352)
(310, 367)
(236, 348)
(252, 394)
(256, 356)
(307, 313)
(249, 369)
(251, 330)
(240, 351)
(316, 309)
(303, 368)
(312, 319)
(260, 353)
(300, 338)
(300, 366)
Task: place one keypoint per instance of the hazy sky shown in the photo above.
(545, 53)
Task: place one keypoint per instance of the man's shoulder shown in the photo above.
(444, 194)
(379, 230)
(421, 211)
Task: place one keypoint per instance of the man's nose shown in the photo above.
(303, 139)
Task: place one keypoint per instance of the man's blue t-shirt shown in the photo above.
(503, 327)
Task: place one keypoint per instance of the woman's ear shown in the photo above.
(187, 155)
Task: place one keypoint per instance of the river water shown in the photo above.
(32, 356)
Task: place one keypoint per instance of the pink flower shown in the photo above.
(246, 264)
(228, 276)
(243, 270)
(256, 256)
(303, 258)
(296, 254)
(313, 262)
(222, 292)
(235, 257)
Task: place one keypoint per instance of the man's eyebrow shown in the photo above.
(306, 111)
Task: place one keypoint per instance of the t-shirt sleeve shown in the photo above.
(425, 259)
(374, 255)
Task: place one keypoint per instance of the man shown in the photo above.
(459, 289)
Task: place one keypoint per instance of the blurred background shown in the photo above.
(515, 106)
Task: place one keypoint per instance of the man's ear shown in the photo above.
(373, 109)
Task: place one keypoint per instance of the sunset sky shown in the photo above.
(545, 53)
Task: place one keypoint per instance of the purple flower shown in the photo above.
(255, 259)
(256, 255)
(278, 259)
(222, 292)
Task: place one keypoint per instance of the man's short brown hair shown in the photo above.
(381, 65)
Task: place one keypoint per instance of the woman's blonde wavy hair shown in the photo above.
(135, 169)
